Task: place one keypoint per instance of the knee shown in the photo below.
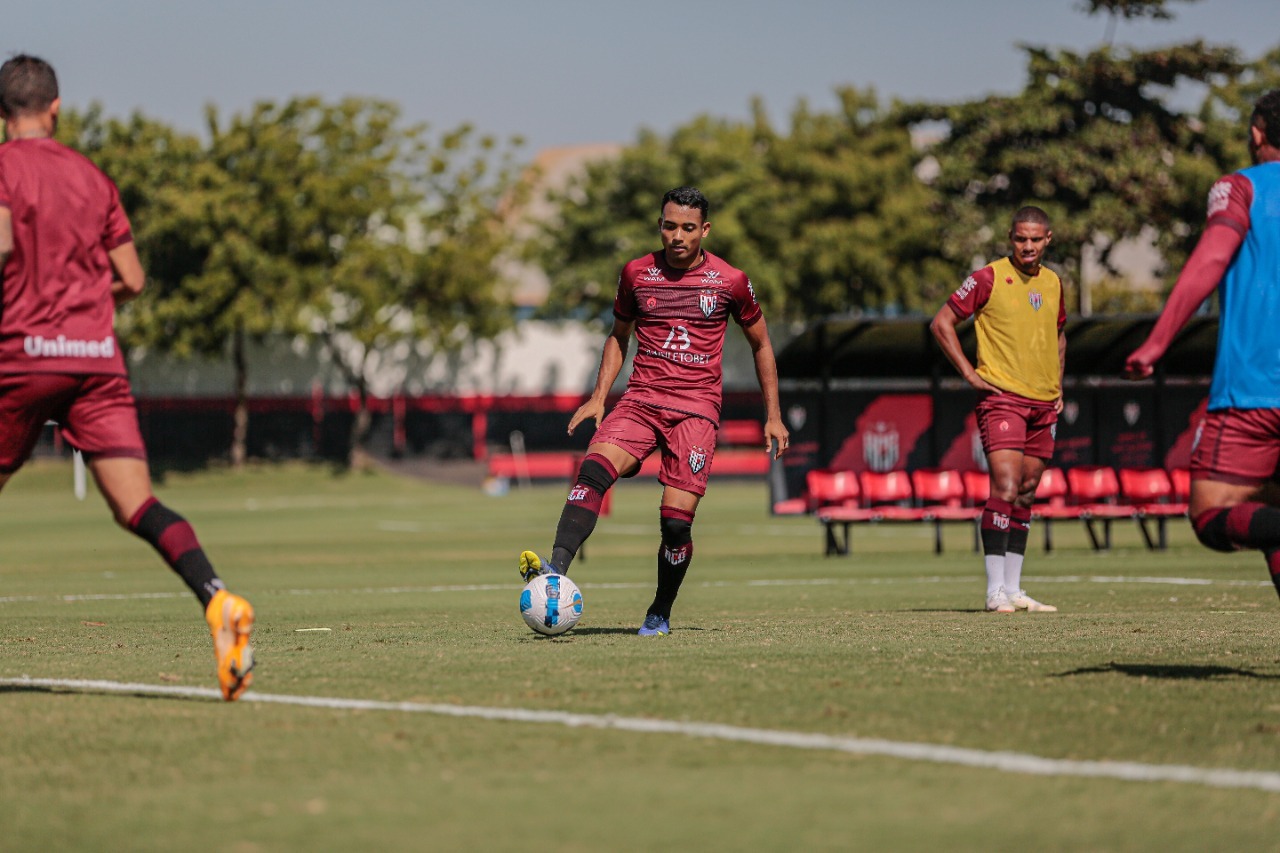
(1211, 529)
(597, 473)
(677, 527)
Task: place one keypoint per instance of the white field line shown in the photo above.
(1008, 762)
(499, 587)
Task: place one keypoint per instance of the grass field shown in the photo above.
(417, 583)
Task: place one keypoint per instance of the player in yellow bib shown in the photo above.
(1019, 311)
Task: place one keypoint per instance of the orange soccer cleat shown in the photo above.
(230, 619)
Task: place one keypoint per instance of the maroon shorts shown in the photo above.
(97, 415)
(1240, 446)
(687, 441)
(1010, 422)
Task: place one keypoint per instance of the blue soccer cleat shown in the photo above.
(531, 565)
(654, 626)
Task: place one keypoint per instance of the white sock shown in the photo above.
(995, 573)
(1013, 572)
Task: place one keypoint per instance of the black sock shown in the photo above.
(582, 509)
(171, 535)
(674, 556)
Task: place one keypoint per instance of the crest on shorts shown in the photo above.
(707, 302)
(697, 459)
(1131, 412)
(880, 446)
(1037, 299)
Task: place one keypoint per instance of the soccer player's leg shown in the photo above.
(622, 441)
(1039, 450)
(1003, 438)
(1233, 500)
(103, 424)
(688, 447)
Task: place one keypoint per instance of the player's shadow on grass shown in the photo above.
(1173, 672)
(90, 691)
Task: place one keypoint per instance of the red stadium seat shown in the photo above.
(941, 497)
(1051, 503)
(825, 488)
(1181, 479)
(1095, 491)
(836, 499)
(977, 487)
(889, 492)
(1151, 493)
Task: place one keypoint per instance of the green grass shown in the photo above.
(889, 643)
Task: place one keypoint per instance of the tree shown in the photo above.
(827, 217)
(1090, 139)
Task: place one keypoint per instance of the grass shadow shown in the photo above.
(1172, 672)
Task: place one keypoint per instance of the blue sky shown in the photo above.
(560, 72)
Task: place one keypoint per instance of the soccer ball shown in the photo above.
(551, 604)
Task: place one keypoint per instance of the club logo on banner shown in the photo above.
(796, 416)
(880, 447)
(707, 302)
(1070, 411)
(1131, 412)
(697, 459)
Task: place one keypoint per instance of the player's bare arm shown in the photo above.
(6, 235)
(1204, 269)
(615, 352)
(943, 328)
(129, 278)
(776, 437)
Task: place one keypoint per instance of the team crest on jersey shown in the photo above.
(1037, 299)
(880, 447)
(697, 459)
(707, 300)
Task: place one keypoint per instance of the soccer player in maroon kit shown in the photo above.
(1236, 460)
(1018, 309)
(678, 303)
(67, 259)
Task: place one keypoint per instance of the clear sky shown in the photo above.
(561, 72)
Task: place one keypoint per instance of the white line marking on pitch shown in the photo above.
(1009, 762)
(498, 587)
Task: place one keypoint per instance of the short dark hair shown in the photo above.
(1031, 214)
(1266, 117)
(27, 85)
(687, 197)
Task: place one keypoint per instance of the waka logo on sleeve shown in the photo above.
(1219, 197)
(966, 287)
(697, 459)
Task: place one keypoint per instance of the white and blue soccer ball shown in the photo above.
(551, 604)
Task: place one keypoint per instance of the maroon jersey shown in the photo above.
(57, 313)
(680, 318)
